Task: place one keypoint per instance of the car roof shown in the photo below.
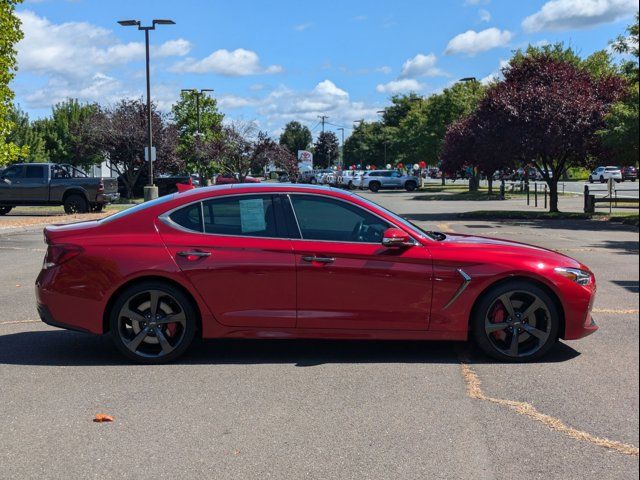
(262, 188)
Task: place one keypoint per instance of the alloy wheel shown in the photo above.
(518, 324)
(152, 324)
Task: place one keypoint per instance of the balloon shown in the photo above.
(423, 164)
(388, 166)
(416, 166)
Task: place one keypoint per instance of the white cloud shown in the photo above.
(421, 66)
(79, 49)
(384, 69)
(326, 98)
(303, 26)
(485, 15)
(239, 62)
(472, 42)
(496, 75)
(403, 85)
(574, 14)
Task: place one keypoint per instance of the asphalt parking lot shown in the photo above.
(311, 409)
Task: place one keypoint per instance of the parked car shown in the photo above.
(314, 177)
(629, 173)
(231, 178)
(350, 179)
(41, 184)
(603, 174)
(379, 179)
(269, 261)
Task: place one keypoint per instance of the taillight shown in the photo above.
(59, 254)
(101, 187)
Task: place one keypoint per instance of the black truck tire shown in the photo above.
(75, 203)
(5, 210)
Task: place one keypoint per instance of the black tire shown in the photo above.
(119, 329)
(374, 186)
(313, 181)
(75, 203)
(602, 180)
(5, 210)
(97, 207)
(590, 179)
(410, 186)
(350, 185)
(546, 318)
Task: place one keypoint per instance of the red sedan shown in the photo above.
(282, 261)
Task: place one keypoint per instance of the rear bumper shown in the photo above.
(107, 197)
(46, 317)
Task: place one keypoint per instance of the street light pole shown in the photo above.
(150, 191)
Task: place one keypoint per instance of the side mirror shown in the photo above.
(396, 238)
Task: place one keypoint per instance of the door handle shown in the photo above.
(313, 258)
(194, 254)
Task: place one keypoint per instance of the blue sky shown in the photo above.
(275, 61)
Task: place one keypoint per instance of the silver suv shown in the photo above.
(377, 179)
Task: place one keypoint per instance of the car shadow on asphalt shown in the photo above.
(64, 348)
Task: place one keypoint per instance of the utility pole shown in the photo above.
(150, 190)
(322, 119)
(341, 129)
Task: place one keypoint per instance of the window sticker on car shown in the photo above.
(252, 215)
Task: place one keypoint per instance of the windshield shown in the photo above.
(437, 236)
(137, 208)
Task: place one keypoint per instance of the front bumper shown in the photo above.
(107, 197)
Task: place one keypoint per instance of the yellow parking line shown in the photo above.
(474, 390)
(616, 311)
(444, 227)
(14, 322)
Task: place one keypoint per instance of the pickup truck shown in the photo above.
(41, 184)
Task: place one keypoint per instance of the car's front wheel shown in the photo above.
(374, 186)
(410, 186)
(5, 210)
(516, 322)
(152, 322)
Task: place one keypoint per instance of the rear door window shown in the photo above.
(35, 172)
(250, 215)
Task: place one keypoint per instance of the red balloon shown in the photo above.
(422, 164)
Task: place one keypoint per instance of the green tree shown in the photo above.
(70, 133)
(24, 134)
(10, 35)
(327, 149)
(621, 133)
(422, 131)
(192, 145)
(296, 137)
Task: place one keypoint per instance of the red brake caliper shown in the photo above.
(499, 315)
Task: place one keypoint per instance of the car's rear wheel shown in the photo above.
(602, 180)
(351, 186)
(97, 207)
(410, 186)
(75, 203)
(516, 322)
(374, 186)
(152, 322)
(590, 179)
(5, 210)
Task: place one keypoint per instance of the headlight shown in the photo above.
(575, 274)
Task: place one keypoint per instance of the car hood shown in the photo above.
(506, 248)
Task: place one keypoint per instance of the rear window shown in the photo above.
(34, 171)
(242, 216)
